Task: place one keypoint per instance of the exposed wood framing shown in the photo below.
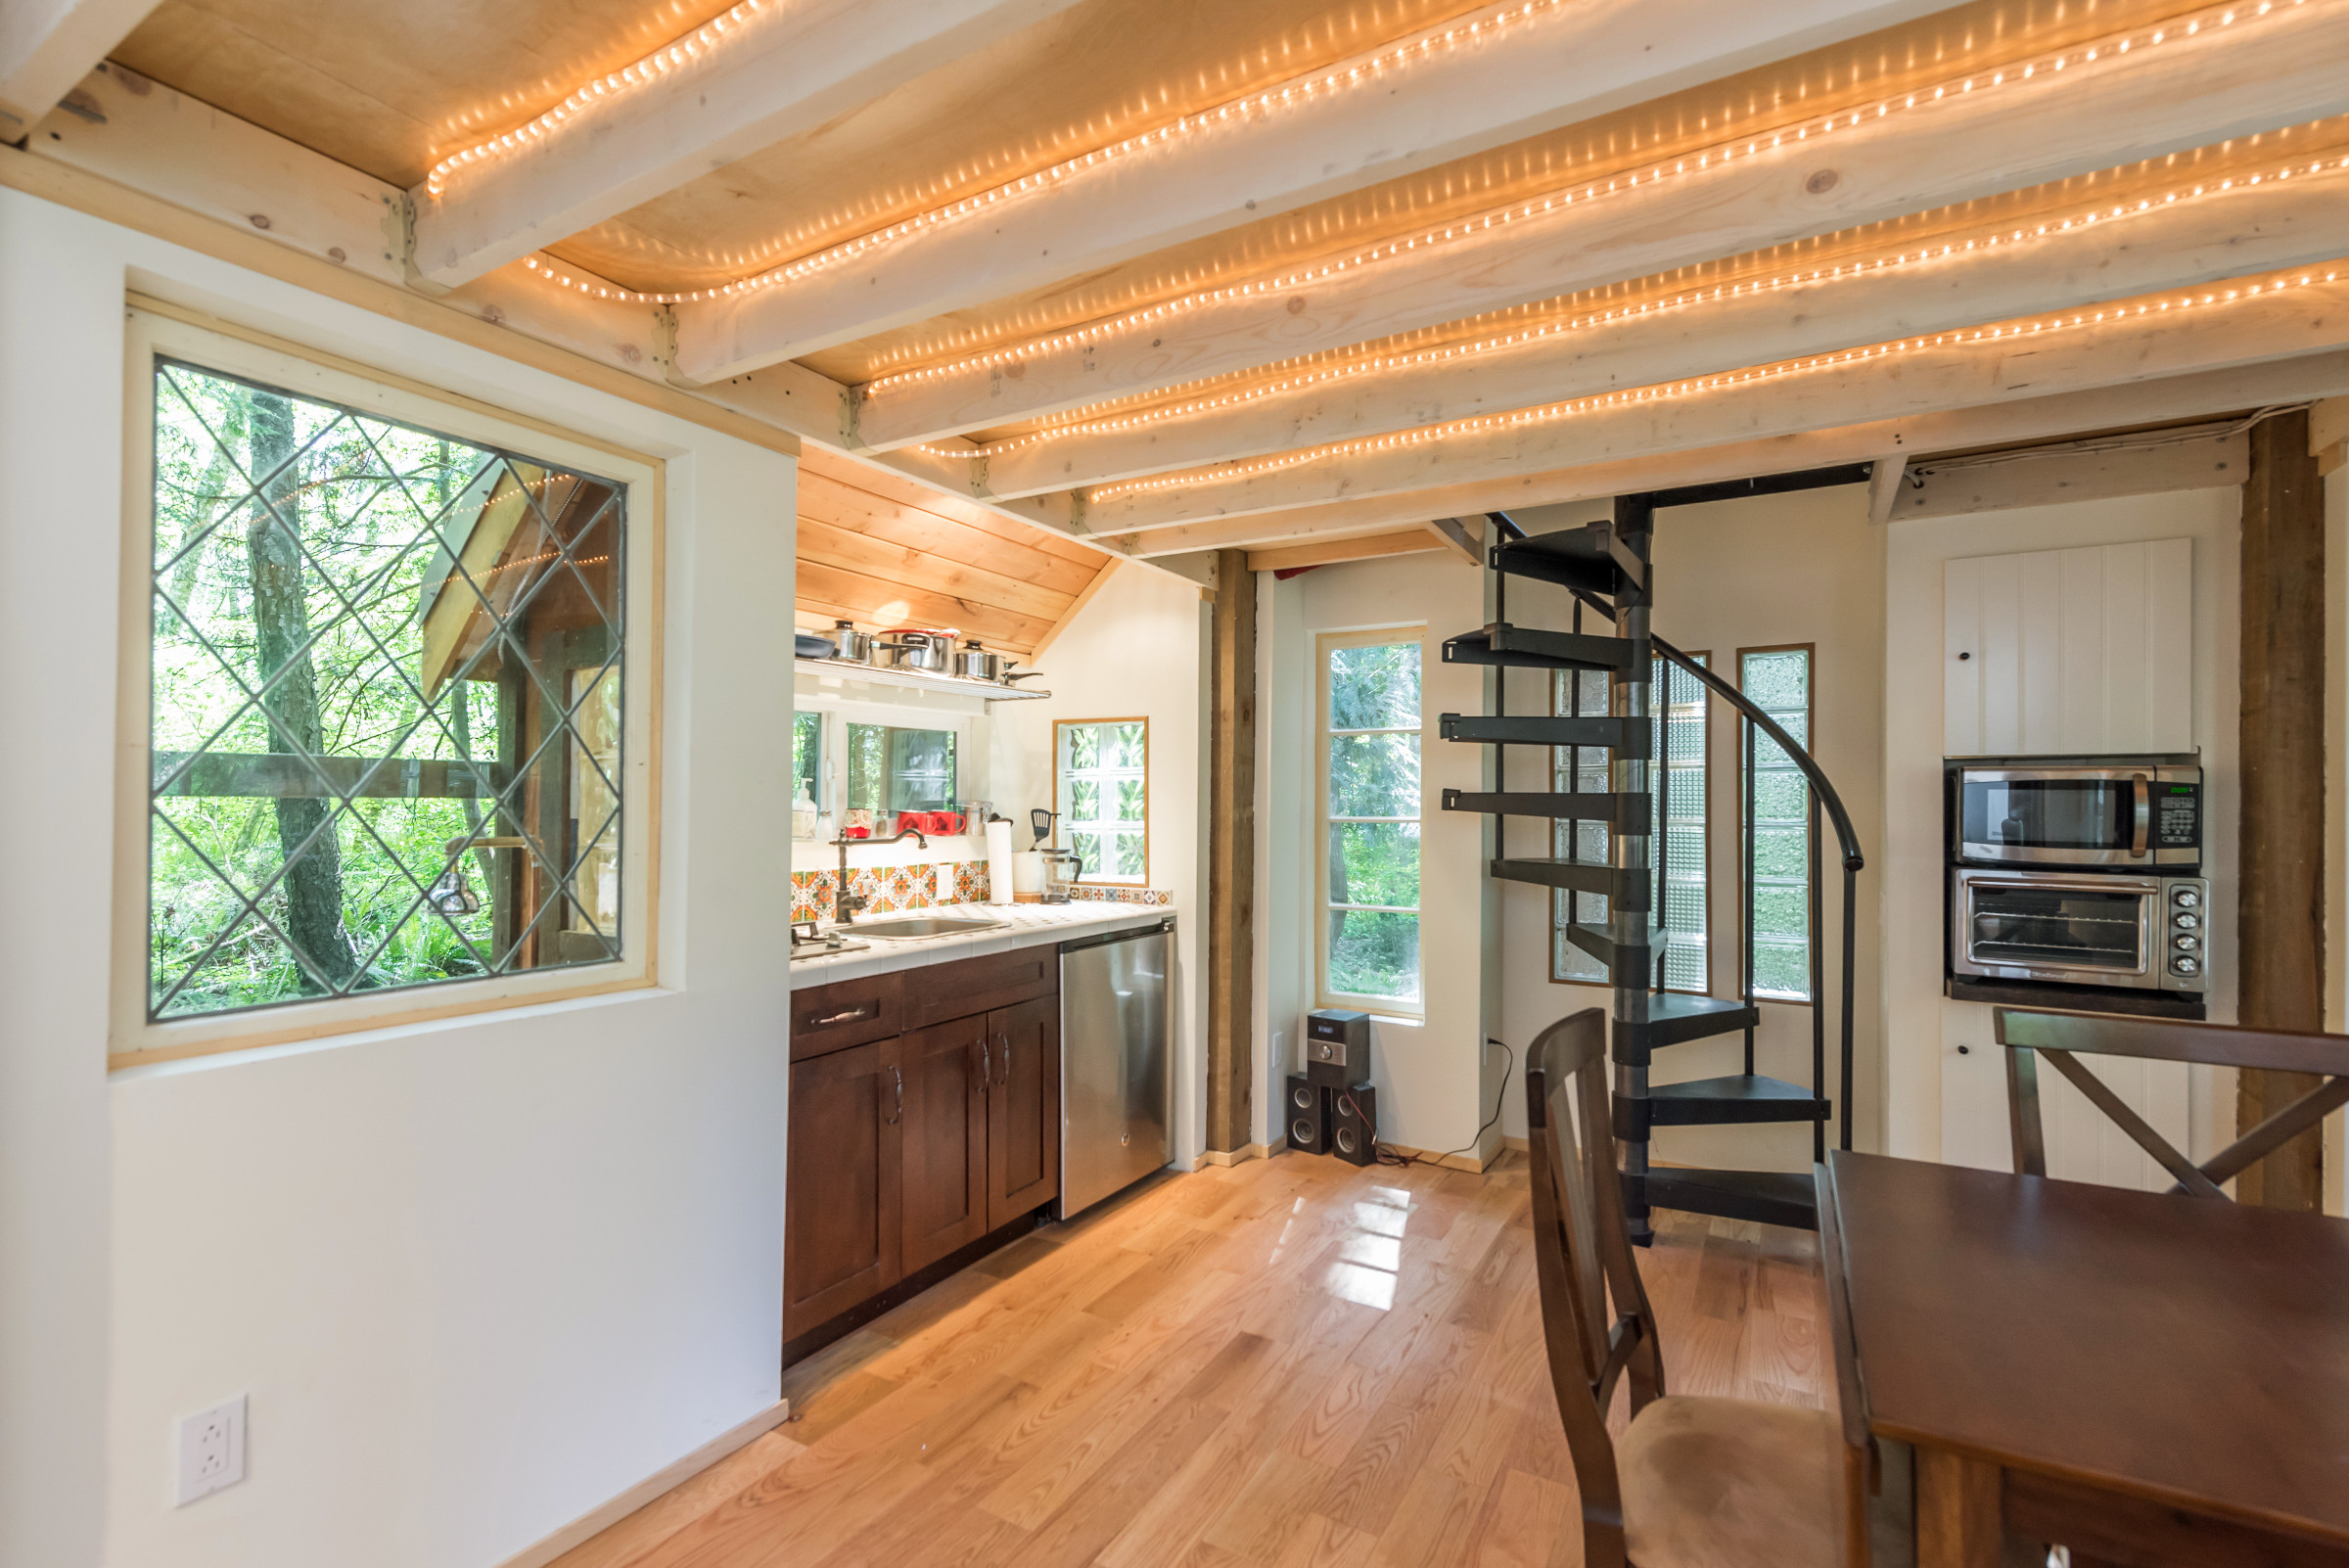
(1531, 77)
(2281, 897)
(1466, 534)
(1329, 552)
(784, 73)
(2152, 464)
(1884, 487)
(2186, 94)
(46, 46)
(1232, 863)
(2024, 419)
(1954, 375)
(2227, 234)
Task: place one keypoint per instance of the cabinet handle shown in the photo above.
(900, 1112)
(1006, 1043)
(862, 1010)
(986, 1065)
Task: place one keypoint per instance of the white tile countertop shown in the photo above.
(1024, 926)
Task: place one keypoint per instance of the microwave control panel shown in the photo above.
(2177, 815)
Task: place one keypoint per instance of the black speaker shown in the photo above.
(1308, 1113)
(1337, 1048)
(1354, 1124)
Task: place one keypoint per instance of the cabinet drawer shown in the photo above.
(848, 1012)
(977, 985)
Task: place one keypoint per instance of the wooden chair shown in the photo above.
(1695, 1482)
(2029, 1034)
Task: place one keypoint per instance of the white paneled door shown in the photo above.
(2057, 652)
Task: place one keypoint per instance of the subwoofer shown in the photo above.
(1308, 1114)
(1354, 1124)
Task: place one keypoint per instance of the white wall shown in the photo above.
(1139, 648)
(1758, 573)
(1432, 1076)
(1951, 1106)
(477, 1277)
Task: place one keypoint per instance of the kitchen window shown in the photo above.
(1368, 821)
(856, 756)
(895, 769)
(1681, 729)
(1101, 789)
(1774, 807)
(396, 738)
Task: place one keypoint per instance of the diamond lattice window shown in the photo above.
(387, 716)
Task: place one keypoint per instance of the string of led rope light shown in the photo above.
(1079, 422)
(1547, 412)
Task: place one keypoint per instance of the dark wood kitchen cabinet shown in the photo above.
(924, 1117)
(1023, 1108)
(843, 1235)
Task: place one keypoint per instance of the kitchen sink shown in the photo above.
(912, 926)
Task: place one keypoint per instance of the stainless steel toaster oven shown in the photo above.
(2145, 933)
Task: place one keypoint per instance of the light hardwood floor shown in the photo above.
(1291, 1362)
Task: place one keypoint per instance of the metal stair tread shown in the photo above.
(1738, 1098)
(1675, 1019)
(1573, 558)
(1530, 647)
(1771, 1197)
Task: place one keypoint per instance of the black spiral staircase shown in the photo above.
(1605, 566)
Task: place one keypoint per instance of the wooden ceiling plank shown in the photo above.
(1330, 552)
(1534, 76)
(1077, 606)
(2025, 419)
(781, 73)
(2221, 235)
(2279, 325)
(896, 563)
(873, 598)
(818, 615)
(826, 500)
(2292, 66)
(46, 49)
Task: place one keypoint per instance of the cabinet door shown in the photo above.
(842, 1227)
(945, 1139)
(1023, 1109)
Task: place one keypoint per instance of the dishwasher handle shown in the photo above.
(1083, 942)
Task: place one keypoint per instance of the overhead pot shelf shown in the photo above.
(994, 691)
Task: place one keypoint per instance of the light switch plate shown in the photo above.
(212, 1451)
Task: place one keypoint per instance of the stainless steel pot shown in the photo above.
(974, 662)
(856, 647)
(920, 649)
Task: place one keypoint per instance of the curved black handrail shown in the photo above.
(1845, 835)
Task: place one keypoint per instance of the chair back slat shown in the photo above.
(1582, 1257)
(2061, 1037)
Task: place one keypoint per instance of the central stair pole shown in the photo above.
(1627, 916)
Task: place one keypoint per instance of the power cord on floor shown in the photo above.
(1388, 1155)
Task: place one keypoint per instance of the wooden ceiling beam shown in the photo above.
(2220, 235)
(46, 48)
(1330, 552)
(780, 73)
(2025, 419)
(2289, 66)
(1533, 76)
(2270, 325)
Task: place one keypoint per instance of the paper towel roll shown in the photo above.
(999, 863)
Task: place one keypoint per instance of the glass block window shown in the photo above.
(894, 769)
(1369, 811)
(1777, 823)
(385, 699)
(1677, 924)
(1101, 789)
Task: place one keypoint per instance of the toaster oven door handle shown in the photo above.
(2140, 831)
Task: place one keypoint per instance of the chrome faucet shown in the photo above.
(846, 903)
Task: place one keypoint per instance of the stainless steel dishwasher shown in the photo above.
(1117, 1063)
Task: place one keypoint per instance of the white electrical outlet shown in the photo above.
(211, 1451)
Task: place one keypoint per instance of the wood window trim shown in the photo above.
(1705, 750)
(1810, 653)
(1324, 643)
(1144, 721)
(160, 327)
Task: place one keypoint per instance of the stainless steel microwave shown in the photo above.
(2140, 933)
(2101, 812)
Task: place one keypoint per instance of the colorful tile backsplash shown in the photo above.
(896, 889)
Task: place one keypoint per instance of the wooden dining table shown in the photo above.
(2145, 1378)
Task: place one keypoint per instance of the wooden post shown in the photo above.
(1232, 860)
(2280, 902)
